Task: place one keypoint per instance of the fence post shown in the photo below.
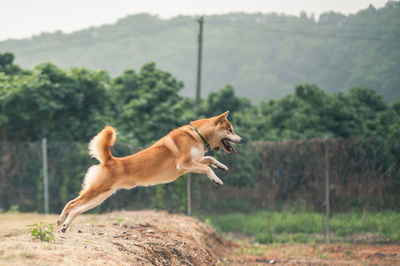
(45, 177)
(327, 197)
(189, 194)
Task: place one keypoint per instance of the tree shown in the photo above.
(148, 105)
(311, 113)
(53, 103)
(7, 66)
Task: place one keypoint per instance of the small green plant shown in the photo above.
(348, 252)
(207, 221)
(265, 238)
(320, 254)
(300, 238)
(13, 209)
(42, 231)
(254, 250)
(119, 220)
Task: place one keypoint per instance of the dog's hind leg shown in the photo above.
(66, 211)
(91, 176)
(86, 201)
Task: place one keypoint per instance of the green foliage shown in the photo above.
(53, 103)
(270, 222)
(222, 100)
(7, 66)
(13, 209)
(268, 238)
(171, 196)
(118, 220)
(43, 232)
(384, 224)
(265, 238)
(282, 227)
(148, 104)
(144, 106)
(311, 113)
(157, 202)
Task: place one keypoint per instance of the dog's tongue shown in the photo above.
(234, 151)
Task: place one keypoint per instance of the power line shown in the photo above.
(318, 34)
(95, 41)
(334, 35)
(298, 21)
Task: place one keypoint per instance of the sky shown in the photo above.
(25, 18)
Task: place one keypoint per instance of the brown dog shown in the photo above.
(180, 152)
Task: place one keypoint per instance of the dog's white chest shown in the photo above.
(196, 153)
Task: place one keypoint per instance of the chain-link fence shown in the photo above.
(282, 183)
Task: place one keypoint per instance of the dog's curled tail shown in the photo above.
(99, 146)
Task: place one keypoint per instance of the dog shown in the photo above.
(181, 151)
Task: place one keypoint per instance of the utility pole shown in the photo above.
(327, 196)
(196, 106)
(45, 177)
(199, 57)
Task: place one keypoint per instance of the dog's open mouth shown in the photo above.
(228, 147)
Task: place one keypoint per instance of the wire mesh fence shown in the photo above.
(282, 183)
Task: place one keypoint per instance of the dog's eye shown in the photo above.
(230, 130)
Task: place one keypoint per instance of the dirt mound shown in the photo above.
(159, 238)
(134, 238)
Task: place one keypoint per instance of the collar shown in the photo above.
(206, 144)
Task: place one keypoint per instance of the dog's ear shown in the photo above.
(222, 117)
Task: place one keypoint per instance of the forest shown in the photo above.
(261, 55)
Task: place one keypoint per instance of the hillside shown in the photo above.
(261, 55)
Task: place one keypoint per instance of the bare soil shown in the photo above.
(159, 238)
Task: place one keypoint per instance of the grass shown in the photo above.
(290, 226)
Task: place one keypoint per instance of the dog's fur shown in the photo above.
(179, 152)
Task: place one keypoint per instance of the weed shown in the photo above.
(320, 254)
(27, 255)
(265, 238)
(348, 252)
(42, 231)
(300, 238)
(207, 221)
(119, 220)
(254, 250)
(13, 209)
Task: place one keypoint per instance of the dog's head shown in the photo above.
(224, 133)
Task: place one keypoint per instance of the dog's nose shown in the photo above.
(241, 140)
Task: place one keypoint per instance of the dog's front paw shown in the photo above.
(218, 181)
(222, 167)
